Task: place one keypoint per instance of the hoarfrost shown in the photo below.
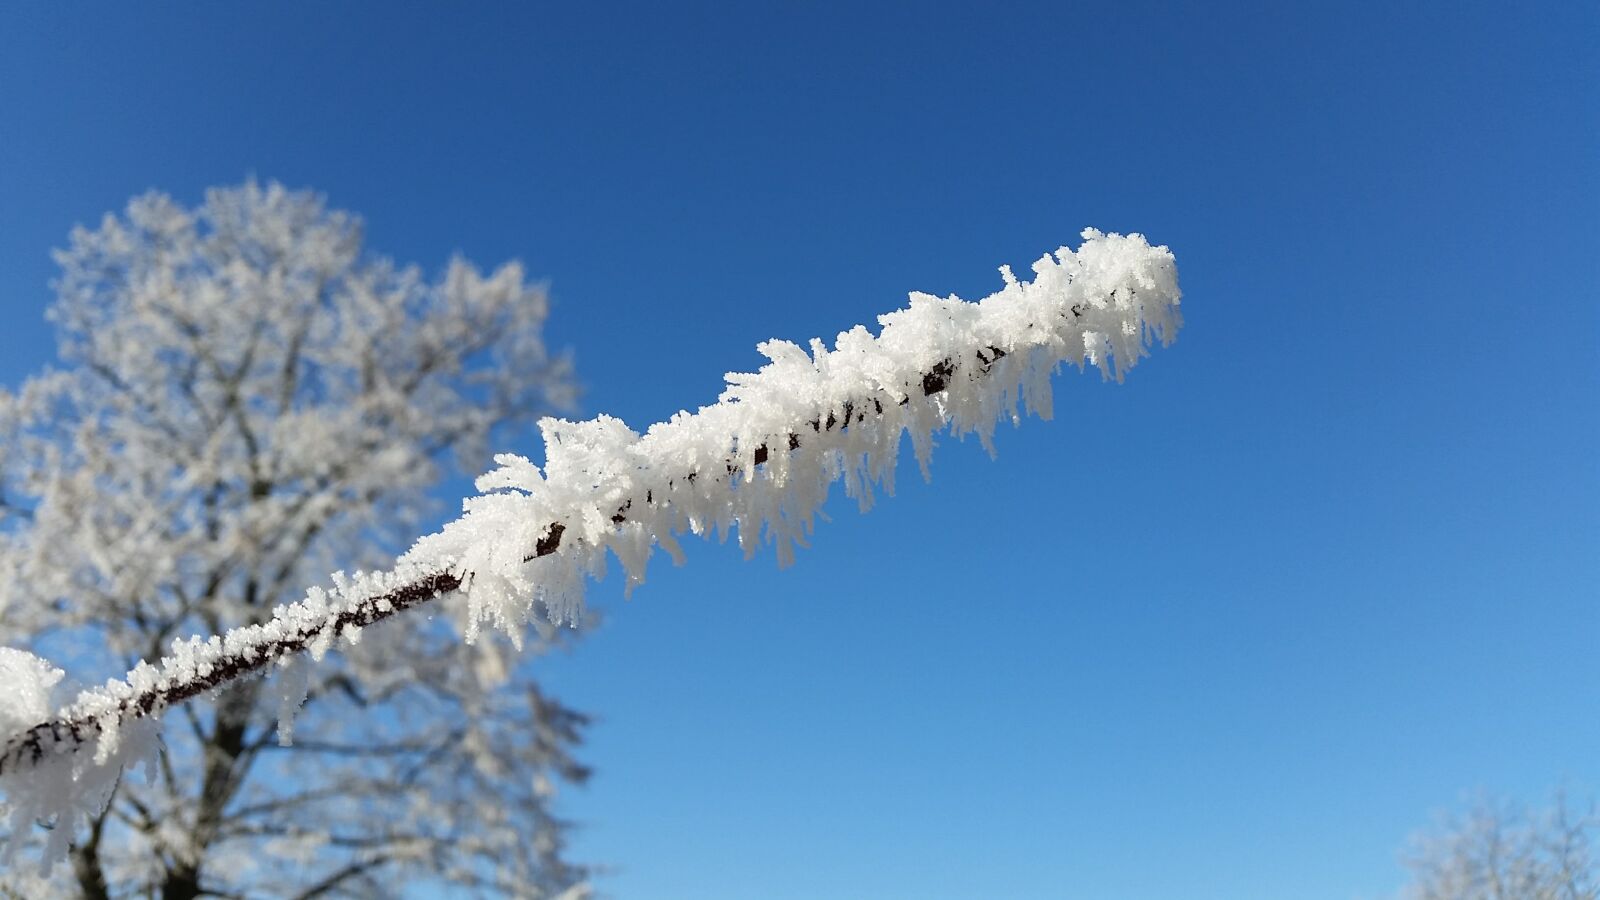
(758, 463)
(60, 789)
(25, 684)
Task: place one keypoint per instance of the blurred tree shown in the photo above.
(247, 402)
(1499, 851)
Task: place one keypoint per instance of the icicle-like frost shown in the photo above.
(62, 789)
(294, 682)
(757, 463)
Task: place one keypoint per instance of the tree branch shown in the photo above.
(1071, 320)
(326, 885)
(68, 734)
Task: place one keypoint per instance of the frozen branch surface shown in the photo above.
(759, 462)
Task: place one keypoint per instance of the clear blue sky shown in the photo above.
(1230, 630)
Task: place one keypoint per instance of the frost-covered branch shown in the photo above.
(758, 462)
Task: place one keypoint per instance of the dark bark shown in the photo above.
(86, 861)
(227, 761)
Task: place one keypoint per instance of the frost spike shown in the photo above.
(1100, 305)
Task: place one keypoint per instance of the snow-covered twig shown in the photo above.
(759, 462)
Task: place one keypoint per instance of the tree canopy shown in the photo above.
(246, 401)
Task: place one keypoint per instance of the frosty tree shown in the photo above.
(245, 403)
(759, 462)
(1501, 851)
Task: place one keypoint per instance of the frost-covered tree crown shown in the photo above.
(247, 400)
(757, 463)
(1498, 850)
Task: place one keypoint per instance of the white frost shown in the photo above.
(61, 789)
(614, 490)
(25, 684)
(759, 463)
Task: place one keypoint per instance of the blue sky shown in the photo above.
(1229, 630)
